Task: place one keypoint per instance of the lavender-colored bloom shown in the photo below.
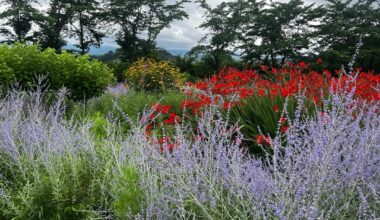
(118, 90)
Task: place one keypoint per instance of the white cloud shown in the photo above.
(183, 34)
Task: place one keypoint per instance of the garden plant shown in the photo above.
(324, 165)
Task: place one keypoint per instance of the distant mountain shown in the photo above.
(94, 51)
(102, 50)
(105, 49)
(178, 52)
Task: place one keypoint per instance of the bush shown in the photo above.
(128, 194)
(22, 63)
(131, 105)
(261, 117)
(52, 168)
(149, 75)
(118, 67)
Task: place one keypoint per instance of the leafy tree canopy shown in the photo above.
(135, 18)
(18, 19)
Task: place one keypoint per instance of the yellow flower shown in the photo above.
(150, 75)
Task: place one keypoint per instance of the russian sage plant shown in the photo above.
(51, 168)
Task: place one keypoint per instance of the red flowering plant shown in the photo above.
(159, 123)
(256, 99)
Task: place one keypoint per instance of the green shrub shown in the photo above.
(6, 73)
(83, 77)
(131, 105)
(100, 125)
(149, 75)
(262, 115)
(118, 68)
(70, 188)
(129, 197)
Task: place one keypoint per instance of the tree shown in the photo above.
(343, 24)
(19, 17)
(218, 44)
(136, 17)
(54, 24)
(85, 24)
(280, 31)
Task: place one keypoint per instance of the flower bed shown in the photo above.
(257, 98)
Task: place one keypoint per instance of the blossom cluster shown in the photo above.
(150, 75)
(289, 80)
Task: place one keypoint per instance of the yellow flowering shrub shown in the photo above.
(149, 75)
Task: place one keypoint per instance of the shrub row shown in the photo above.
(83, 77)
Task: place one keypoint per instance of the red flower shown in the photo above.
(264, 68)
(165, 144)
(262, 139)
(284, 129)
(163, 109)
(245, 93)
(319, 61)
(148, 130)
(173, 118)
(227, 105)
(315, 100)
(285, 93)
(276, 108)
(302, 64)
(261, 92)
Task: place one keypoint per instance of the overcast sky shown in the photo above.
(183, 35)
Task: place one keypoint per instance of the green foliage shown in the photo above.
(343, 24)
(135, 17)
(261, 115)
(19, 18)
(131, 105)
(86, 24)
(200, 64)
(55, 24)
(129, 197)
(118, 68)
(100, 125)
(221, 21)
(23, 63)
(149, 75)
(6, 73)
(284, 30)
(68, 188)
